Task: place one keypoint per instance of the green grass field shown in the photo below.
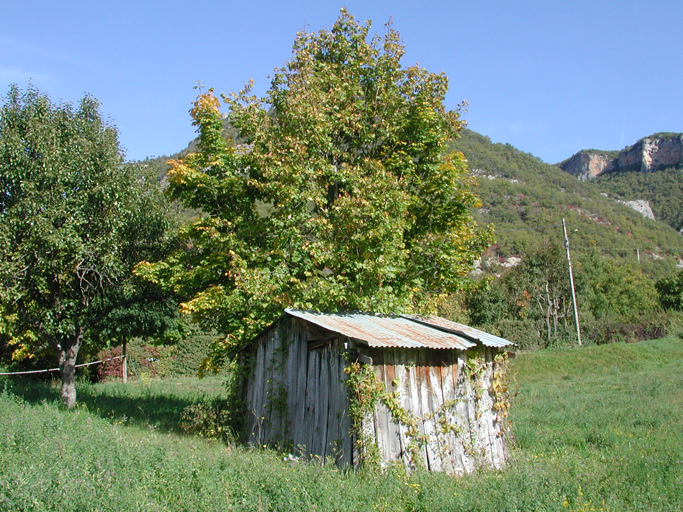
(598, 428)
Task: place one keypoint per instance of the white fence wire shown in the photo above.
(57, 369)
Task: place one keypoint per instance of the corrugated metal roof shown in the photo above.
(471, 333)
(386, 331)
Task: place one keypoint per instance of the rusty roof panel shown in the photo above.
(470, 333)
(385, 331)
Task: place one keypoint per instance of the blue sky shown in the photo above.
(549, 77)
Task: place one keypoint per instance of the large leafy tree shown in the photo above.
(341, 197)
(73, 222)
(615, 290)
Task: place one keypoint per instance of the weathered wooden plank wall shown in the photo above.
(451, 402)
(295, 397)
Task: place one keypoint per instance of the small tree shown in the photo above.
(73, 222)
(616, 289)
(341, 198)
(535, 292)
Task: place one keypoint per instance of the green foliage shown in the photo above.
(73, 222)
(670, 290)
(186, 355)
(634, 327)
(582, 443)
(340, 198)
(663, 189)
(364, 391)
(664, 135)
(530, 304)
(210, 420)
(615, 289)
(144, 361)
(519, 192)
(171, 358)
(535, 292)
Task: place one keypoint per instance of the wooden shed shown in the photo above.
(436, 394)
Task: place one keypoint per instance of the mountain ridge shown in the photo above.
(652, 153)
(649, 171)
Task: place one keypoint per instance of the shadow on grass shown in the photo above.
(145, 408)
(155, 411)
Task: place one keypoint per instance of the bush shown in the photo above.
(616, 330)
(522, 332)
(210, 419)
(186, 356)
(531, 304)
(148, 361)
(110, 368)
(670, 290)
(151, 361)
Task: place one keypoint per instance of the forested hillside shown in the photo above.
(520, 192)
(662, 189)
(619, 254)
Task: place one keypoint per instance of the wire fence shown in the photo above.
(57, 369)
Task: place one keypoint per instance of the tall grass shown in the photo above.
(599, 428)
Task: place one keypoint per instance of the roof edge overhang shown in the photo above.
(481, 337)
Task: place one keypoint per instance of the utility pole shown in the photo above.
(124, 365)
(571, 282)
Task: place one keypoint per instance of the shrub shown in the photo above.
(522, 332)
(148, 361)
(615, 329)
(186, 356)
(210, 419)
(110, 368)
(670, 290)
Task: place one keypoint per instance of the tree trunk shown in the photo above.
(67, 366)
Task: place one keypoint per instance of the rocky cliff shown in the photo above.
(649, 154)
(641, 206)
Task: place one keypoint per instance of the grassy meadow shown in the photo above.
(596, 428)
